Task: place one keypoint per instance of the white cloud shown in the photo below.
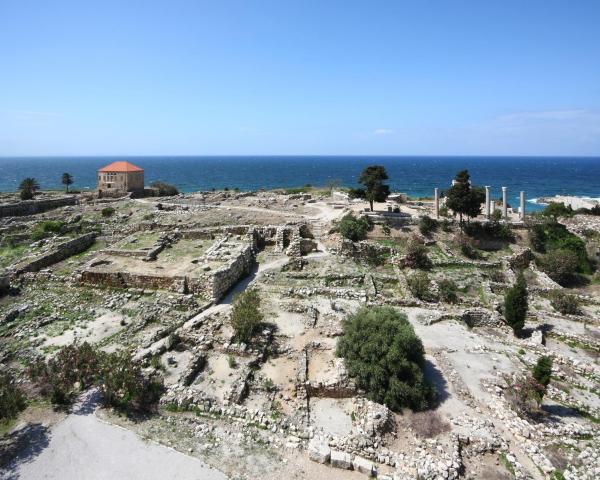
(382, 131)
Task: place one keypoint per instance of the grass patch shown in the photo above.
(507, 464)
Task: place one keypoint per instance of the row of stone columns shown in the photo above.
(488, 203)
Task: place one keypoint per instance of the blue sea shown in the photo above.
(417, 176)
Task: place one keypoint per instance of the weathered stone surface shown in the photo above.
(364, 466)
(31, 207)
(341, 460)
(319, 451)
(62, 251)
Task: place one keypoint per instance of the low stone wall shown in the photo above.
(133, 280)
(60, 252)
(228, 275)
(31, 207)
(211, 285)
(481, 318)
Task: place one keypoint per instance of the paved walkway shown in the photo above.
(83, 447)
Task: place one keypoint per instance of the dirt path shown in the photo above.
(84, 447)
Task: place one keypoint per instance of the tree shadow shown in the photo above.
(560, 411)
(437, 380)
(88, 403)
(20, 447)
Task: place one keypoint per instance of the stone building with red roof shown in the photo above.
(119, 178)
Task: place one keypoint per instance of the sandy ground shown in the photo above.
(84, 447)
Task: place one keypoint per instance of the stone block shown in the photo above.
(341, 460)
(319, 451)
(363, 465)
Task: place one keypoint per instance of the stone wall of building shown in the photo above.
(31, 207)
(228, 275)
(59, 253)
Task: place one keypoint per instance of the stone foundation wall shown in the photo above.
(132, 280)
(61, 252)
(211, 285)
(481, 318)
(227, 276)
(31, 207)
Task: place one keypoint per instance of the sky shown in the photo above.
(423, 77)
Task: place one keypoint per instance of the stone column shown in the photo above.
(522, 209)
(504, 203)
(488, 211)
(436, 197)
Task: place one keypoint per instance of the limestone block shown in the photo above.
(341, 460)
(364, 466)
(319, 451)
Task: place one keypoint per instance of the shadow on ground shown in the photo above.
(20, 447)
(434, 375)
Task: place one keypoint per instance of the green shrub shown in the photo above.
(427, 225)
(551, 237)
(108, 211)
(76, 367)
(386, 357)
(73, 368)
(246, 317)
(561, 266)
(419, 285)
(416, 255)
(537, 238)
(164, 189)
(296, 190)
(493, 230)
(12, 400)
(385, 229)
(353, 228)
(44, 229)
(555, 210)
(516, 305)
(564, 303)
(124, 385)
(231, 361)
(448, 289)
(465, 244)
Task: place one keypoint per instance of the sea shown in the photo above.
(415, 175)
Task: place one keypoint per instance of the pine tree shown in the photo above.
(464, 199)
(543, 370)
(515, 305)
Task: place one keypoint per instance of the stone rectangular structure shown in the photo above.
(119, 178)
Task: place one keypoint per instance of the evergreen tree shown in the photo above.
(375, 190)
(543, 370)
(67, 179)
(464, 199)
(515, 305)
(386, 357)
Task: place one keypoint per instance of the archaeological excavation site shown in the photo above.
(278, 334)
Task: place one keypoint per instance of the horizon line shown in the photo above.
(250, 155)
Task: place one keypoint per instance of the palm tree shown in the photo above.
(28, 187)
(67, 179)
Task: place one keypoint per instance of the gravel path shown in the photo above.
(84, 447)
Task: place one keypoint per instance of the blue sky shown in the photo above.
(300, 77)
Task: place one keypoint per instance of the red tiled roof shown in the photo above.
(121, 167)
